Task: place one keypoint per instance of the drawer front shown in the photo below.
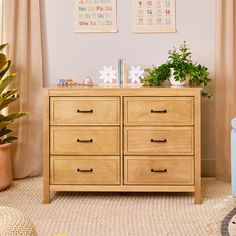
(84, 111)
(84, 170)
(67, 140)
(160, 171)
(158, 110)
(158, 141)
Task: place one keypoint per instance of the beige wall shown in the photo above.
(68, 54)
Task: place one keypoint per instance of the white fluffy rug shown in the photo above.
(122, 214)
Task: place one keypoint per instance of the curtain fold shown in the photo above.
(22, 30)
(225, 84)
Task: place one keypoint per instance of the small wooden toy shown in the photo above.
(62, 82)
(70, 82)
(87, 81)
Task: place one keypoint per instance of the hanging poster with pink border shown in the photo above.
(93, 16)
(153, 16)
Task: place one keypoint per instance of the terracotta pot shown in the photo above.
(5, 166)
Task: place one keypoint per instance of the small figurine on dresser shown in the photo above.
(87, 81)
(66, 82)
(62, 82)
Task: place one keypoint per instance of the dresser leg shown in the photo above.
(197, 197)
(46, 196)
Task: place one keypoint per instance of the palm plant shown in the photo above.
(7, 96)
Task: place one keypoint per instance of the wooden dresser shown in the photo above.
(132, 139)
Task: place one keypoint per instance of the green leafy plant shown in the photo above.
(157, 75)
(181, 65)
(7, 96)
(179, 60)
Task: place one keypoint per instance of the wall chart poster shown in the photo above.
(93, 16)
(153, 16)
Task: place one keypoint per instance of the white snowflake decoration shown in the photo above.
(135, 73)
(107, 74)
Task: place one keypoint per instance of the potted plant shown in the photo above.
(7, 96)
(179, 69)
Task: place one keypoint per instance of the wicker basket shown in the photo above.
(14, 223)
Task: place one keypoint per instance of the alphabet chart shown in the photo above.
(93, 16)
(153, 16)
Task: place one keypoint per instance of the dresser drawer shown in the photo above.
(84, 111)
(84, 170)
(158, 110)
(159, 170)
(67, 140)
(158, 141)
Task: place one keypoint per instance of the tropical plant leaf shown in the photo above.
(6, 81)
(5, 131)
(8, 139)
(7, 96)
(3, 46)
(6, 101)
(9, 93)
(1, 117)
(4, 124)
(5, 68)
(13, 116)
(3, 60)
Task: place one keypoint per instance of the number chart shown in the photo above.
(93, 16)
(153, 16)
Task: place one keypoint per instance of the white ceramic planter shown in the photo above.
(178, 83)
(5, 166)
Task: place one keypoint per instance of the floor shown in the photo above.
(122, 214)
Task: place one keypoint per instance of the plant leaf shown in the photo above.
(6, 81)
(5, 102)
(7, 97)
(5, 68)
(3, 60)
(1, 117)
(4, 132)
(8, 93)
(3, 46)
(4, 124)
(8, 139)
(13, 116)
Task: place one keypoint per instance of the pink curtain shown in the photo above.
(225, 84)
(23, 33)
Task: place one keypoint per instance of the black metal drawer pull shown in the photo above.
(159, 170)
(159, 141)
(84, 111)
(158, 111)
(79, 170)
(84, 140)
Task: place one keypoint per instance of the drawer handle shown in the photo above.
(158, 111)
(79, 170)
(159, 170)
(84, 111)
(159, 141)
(84, 140)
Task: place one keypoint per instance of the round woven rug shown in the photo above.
(228, 225)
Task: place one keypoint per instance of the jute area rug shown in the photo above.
(122, 214)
